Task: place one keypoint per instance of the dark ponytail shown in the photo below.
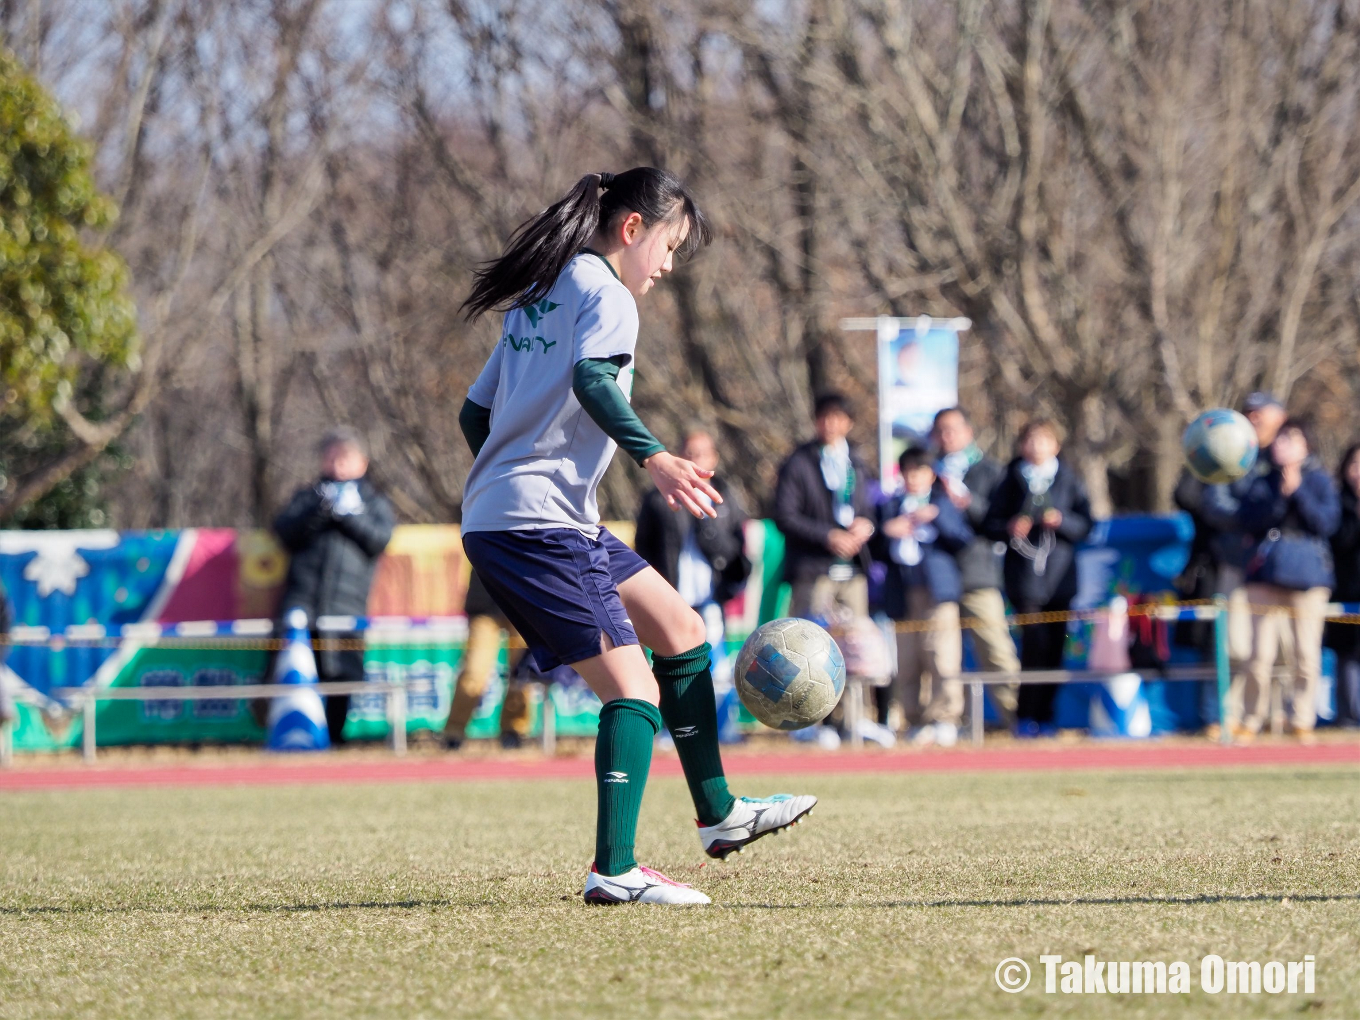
(540, 248)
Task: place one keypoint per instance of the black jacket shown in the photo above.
(979, 562)
(1346, 549)
(661, 532)
(1024, 585)
(803, 511)
(333, 555)
(1345, 637)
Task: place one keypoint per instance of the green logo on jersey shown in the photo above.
(538, 310)
(526, 343)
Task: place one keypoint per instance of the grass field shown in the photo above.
(898, 898)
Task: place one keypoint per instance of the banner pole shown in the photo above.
(1222, 666)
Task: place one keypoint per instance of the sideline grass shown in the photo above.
(898, 898)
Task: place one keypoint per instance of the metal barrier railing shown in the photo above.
(380, 631)
(87, 698)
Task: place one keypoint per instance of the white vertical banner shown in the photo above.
(918, 376)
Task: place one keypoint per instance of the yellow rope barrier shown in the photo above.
(389, 639)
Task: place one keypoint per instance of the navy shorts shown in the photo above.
(558, 587)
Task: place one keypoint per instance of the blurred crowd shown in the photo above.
(955, 544)
(963, 534)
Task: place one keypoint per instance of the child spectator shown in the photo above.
(1291, 513)
(1041, 511)
(919, 535)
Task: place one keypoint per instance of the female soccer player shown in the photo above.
(543, 420)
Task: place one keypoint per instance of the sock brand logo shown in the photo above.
(616, 777)
(685, 731)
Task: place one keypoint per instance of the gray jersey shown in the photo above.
(545, 456)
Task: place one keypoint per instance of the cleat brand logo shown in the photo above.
(686, 731)
(616, 777)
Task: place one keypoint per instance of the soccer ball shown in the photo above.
(1220, 446)
(789, 674)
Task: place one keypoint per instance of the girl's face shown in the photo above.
(1352, 472)
(647, 252)
(1039, 447)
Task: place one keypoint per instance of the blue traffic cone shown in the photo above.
(297, 720)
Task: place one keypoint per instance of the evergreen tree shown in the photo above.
(65, 314)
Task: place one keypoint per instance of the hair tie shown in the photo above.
(606, 180)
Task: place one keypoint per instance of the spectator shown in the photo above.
(970, 477)
(822, 507)
(1292, 514)
(920, 532)
(480, 652)
(335, 530)
(1344, 638)
(701, 558)
(1040, 509)
(1220, 553)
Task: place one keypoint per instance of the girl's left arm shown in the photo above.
(595, 383)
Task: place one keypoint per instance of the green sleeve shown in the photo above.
(475, 421)
(595, 383)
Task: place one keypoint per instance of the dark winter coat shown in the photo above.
(1292, 532)
(332, 555)
(1346, 549)
(1214, 509)
(1012, 498)
(661, 534)
(1345, 637)
(938, 570)
(803, 510)
(979, 561)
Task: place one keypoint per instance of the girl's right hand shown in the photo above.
(680, 481)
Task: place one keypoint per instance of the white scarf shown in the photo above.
(835, 461)
(1039, 477)
(907, 551)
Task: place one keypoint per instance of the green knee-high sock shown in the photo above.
(690, 713)
(623, 756)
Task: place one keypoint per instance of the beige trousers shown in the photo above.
(993, 645)
(1241, 626)
(479, 663)
(833, 601)
(1303, 627)
(929, 662)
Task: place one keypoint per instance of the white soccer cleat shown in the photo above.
(641, 885)
(751, 818)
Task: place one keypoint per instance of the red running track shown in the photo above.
(275, 771)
